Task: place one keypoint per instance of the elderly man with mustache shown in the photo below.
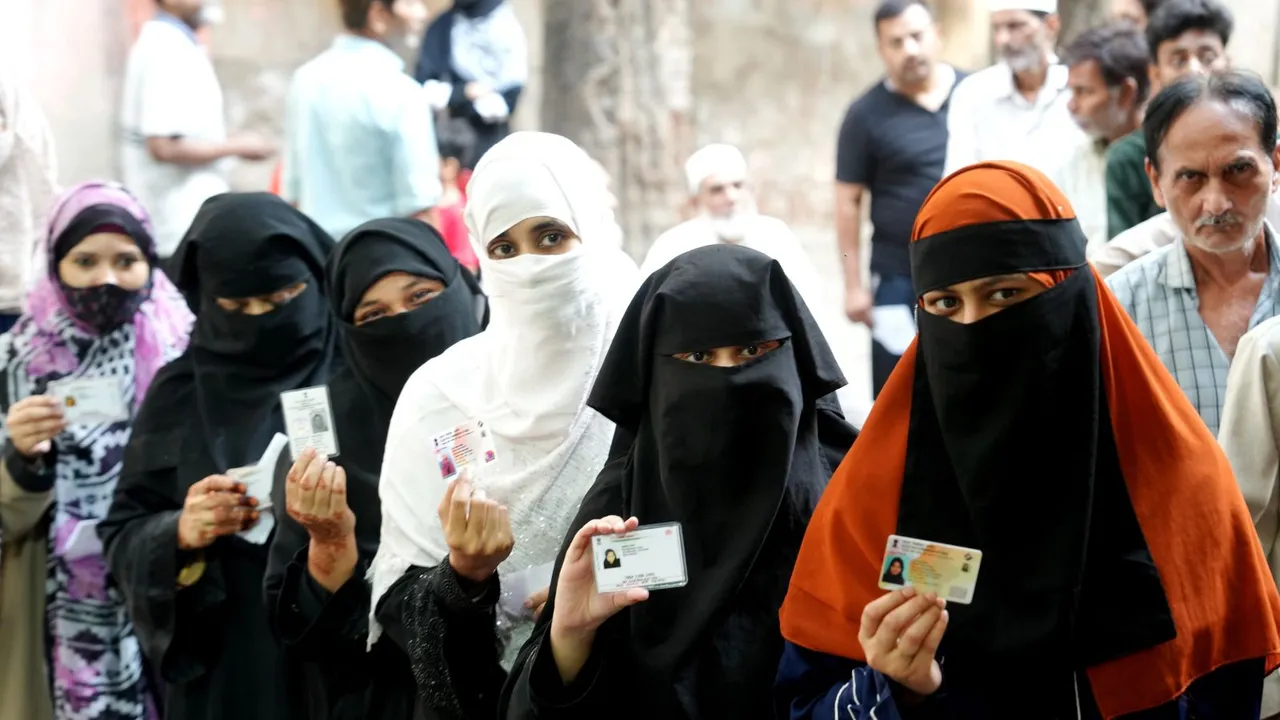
(1212, 161)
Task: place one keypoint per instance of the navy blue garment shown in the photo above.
(817, 686)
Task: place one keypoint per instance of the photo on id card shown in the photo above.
(650, 557)
(462, 445)
(950, 571)
(308, 420)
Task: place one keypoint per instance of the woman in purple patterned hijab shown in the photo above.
(103, 315)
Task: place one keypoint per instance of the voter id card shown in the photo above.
(948, 570)
(308, 419)
(90, 401)
(468, 444)
(650, 557)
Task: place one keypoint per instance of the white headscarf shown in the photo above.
(526, 376)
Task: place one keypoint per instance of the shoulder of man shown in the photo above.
(1127, 147)
(1131, 283)
(982, 82)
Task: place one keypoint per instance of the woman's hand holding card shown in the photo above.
(477, 529)
(579, 609)
(216, 506)
(33, 422)
(316, 497)
(900, 634)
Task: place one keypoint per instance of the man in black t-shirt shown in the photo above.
(892, 145)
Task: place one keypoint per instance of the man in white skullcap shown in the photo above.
(726, 213)
(1017, 108)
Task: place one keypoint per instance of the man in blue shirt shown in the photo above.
(360, 138)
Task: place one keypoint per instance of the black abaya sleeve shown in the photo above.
(317, 625)
(178, 628)
(534, 690)
(447, 631)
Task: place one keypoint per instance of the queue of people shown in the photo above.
(534, 480)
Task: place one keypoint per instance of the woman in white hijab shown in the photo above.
(491, 445)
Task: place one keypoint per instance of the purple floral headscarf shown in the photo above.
(162, 324)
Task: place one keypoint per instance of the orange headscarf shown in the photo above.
(1182, 491)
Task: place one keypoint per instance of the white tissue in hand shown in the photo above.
(438, 93)
(492, 107)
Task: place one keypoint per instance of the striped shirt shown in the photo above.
(1158, 291)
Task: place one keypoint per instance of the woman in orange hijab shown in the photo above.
(1120, 574)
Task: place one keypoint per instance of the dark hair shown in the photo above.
(1121, 54)
(1175, 17)
(1150, 6)
(455, 138)
(1243, 91)
(890, 9)
(355, 13)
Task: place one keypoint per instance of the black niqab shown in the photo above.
(988, 452)
(716, 449)
(244, 245)
(381, 355)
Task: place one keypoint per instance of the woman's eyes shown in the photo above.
(424, 295)
(86, 262)
(551, 239)
(369, 316)
(945, 303)
(1004, 294)
(502, 250)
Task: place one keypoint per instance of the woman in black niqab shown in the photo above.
(251, 268)
(737, 454)
(327, 631)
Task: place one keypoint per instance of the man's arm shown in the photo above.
(855, 170)
(165, 121)
(849, 232)
(188, 151)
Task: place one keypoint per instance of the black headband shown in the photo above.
(91, 219)
(1003, 248)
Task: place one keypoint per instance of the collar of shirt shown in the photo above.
(1177, 268)
(171, 19)
(1055, 83)
(372, 49)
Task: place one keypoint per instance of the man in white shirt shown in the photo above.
(1109, 85)
(174, 128)
(360, 137)
(726, 212)
(1017, 108)
(28, 183)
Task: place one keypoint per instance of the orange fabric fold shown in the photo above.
(1200, 535)
(1198, 530)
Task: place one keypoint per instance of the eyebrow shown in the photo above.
(997, 279)
(411, 282)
